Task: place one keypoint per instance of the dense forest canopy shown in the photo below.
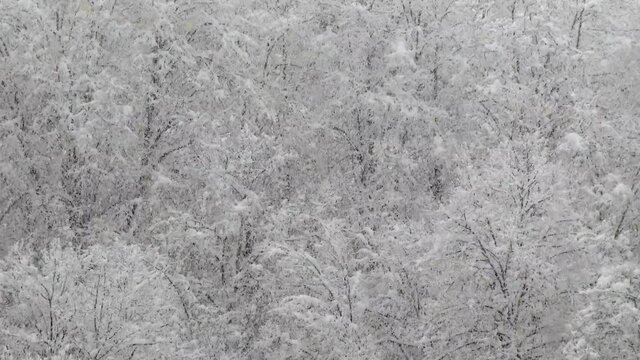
(332, 179)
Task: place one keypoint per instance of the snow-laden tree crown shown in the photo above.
(290, 179)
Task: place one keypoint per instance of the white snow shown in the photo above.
(203, 76)
(573, 142)
(438, 146)
(622, 191)
(401, 53)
